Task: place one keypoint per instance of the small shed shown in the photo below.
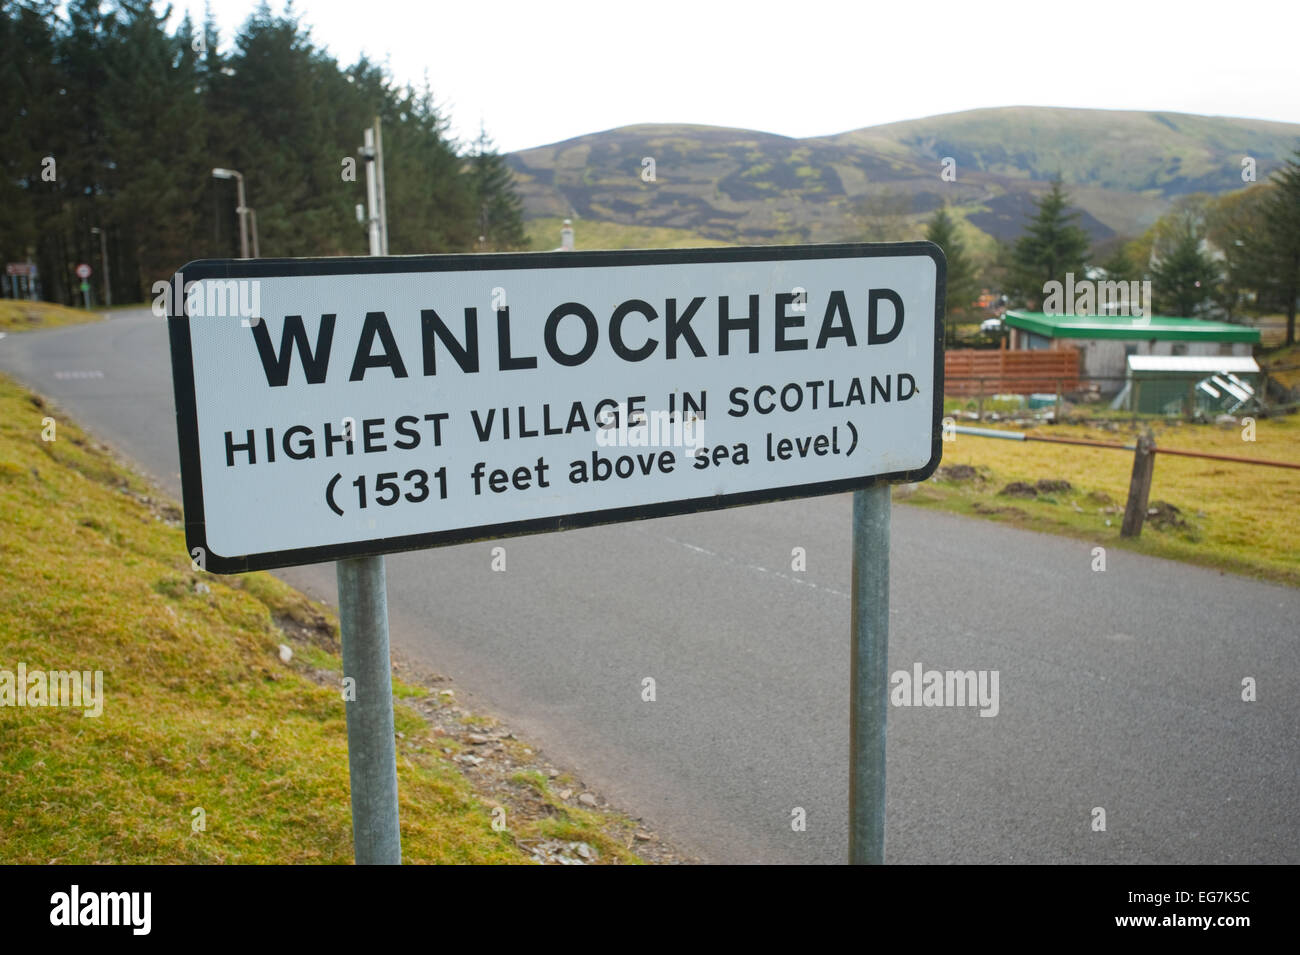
(1173, 384)
(1105, 342)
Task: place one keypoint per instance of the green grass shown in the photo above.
(589, 235)
(18, 315)
(199, 711)
(991, 405)
(530, 778)
(1239, 517)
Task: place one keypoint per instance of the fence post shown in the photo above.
(1139, 488)
(980, 412)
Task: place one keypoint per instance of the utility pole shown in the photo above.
(379, 179)
(372, 152)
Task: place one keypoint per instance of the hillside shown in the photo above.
(733, 185)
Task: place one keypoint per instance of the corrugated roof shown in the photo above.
(1196, 364)
(1165, 327)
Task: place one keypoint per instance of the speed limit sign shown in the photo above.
(83, 271)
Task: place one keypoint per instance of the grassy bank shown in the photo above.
(18, 315)
(1229, 516)
(201, 710)
(589, 235)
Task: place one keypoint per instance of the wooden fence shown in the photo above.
(1007, 371)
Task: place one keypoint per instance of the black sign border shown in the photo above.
(187, 411)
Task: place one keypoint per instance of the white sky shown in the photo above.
(539, 72)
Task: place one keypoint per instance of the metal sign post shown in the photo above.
(363, 630)
(372, 751)
(869, 675)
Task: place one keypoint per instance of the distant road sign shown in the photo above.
(18, 268)
(83, 271)
(332, 408)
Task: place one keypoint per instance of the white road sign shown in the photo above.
(333, 408)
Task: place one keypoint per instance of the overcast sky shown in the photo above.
(539, 72)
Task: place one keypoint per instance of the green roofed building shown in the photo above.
(1105, 342)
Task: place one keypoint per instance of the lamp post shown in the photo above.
(103, 258)
(257, 251)
(242, 209)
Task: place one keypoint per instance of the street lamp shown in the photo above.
(103, 257)
(257, 252)
(242, 209)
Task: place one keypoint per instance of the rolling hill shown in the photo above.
(1123, 169)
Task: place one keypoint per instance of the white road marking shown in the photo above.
(755, 567)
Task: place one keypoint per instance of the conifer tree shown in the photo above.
(1280, 245)
(962, 284)
(1184, 278)
(500, 219)
(1051, 246)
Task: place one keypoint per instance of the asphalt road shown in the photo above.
(1119, 689)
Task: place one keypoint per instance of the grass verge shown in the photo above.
(1229, 516)
(212, 747)
(18, 315)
